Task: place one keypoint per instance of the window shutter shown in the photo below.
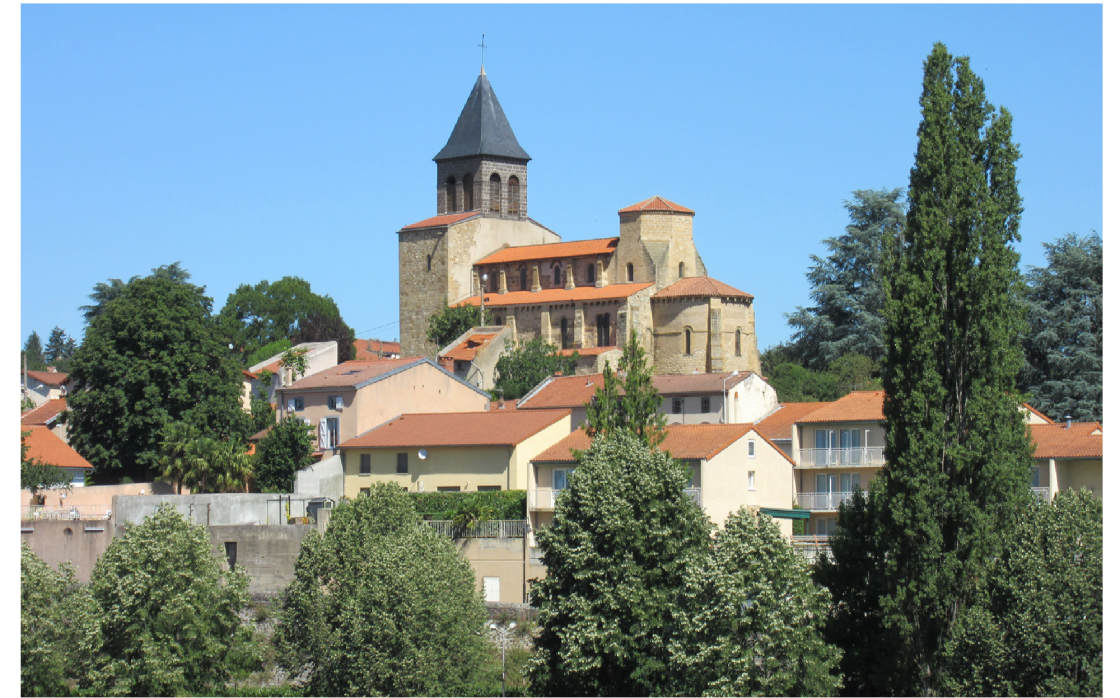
(291, 403)
(324, 438)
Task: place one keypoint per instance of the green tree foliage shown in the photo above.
(450, 322)
(446, 506)
(957, 452)
(59, 628)
(628, 401)
(268, 351)
(33, 352)
(254, 316)
(169, 610)
(622, 541)
(150, 356)
(103, 293)
(59, 350)
(324, 327)
(175, 438)
(795, 383)
(751, 620)
(211, 465)
(521, 368)
(855, 372)
(848, 315)
(1065, 340)
(382, 605)
(34, 475)
(261, 412)
(295, 360)
(286, 449)
(1039, 628)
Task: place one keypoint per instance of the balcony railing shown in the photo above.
(72, 512)
(1042, 493)
(838, 457)
(822, 501)
(694, 493)
(543, 499)
(486, 529)
(810, 546)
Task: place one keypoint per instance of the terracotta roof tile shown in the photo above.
(554, 250)
(260, 434)
(48, 448)
(367, 349)
(246, 374)
(575, 391)
(683, 441)
(494, 428)
(44, 413)
(700, 286)
(350, 374)
(655, 203)
(49, 377)
(559, 295)
(272, 368)
(698, 383)
(439, 221)
(588, 351)
(779, 424)
(1037, 413)
(1080, 440)
(469, 347)
(859, 406)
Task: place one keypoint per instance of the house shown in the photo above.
(46, 447)
(473, 356)
(482, 248)
(778, 425)
(355, 396)
(41, 386)
(688, 399)
(375, 350)
(319, 356)
(1068, 455)
(452, 451)
(47, 415)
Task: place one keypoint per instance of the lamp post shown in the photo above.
(503, 637)
(482, 300)
(725, 410)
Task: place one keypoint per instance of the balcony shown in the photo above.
(822, 501)
(514, 528)
(693, 493)
(841, 457)
(810, 546)
(1042, 493)
(543, 499)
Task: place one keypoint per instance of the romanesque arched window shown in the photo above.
(556, 275)
(429, 262)
(495, 192)
(523, 275)
(590, 273)
(514, 195)
(603, 330)
(452, 203)
(687, 341)
(738, 342)
(468, 192)
(680, 270)
(629, 271)
(564, 333)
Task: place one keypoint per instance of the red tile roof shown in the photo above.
(367, 349)
(246, 374)
(700, 286)
(559, 295)
(272, 368)
(351, 373)
(859, 406)
(1037, 413)
(1080, 440)
(698, 383)
(438, 221)
(494, 428)
(683, 441)
(260, 434)
(588, 351)
(655, 203)
(575, 391)
(468, 348)
(45, 412)
(554, 250)
(49, 377)
(778, 425)
(48, 448)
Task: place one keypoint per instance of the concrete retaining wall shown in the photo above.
(77, 542)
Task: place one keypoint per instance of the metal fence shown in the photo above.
(72, 512)
(694, 494)
(810, 546)
(833, 457)
(486, 529)
(822, 501)
(1042, 493)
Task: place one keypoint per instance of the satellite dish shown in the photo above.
(423, 453)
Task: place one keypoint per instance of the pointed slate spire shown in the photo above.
(482, 128)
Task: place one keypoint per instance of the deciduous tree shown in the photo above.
(254, 316)
(103, 292)
(1065, 337)
(521, 368)
(382, 605)
(324, 327)
(286, 449)
(169, 610)
(450, 322)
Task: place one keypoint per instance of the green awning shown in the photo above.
(785, 513)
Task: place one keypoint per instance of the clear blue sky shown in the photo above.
(254, 142)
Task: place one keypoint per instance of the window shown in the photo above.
(231, 554)
(489, 488)
(705, 404)
(826, 527)
(468, 192)
(364, 468)
(447, 489)
(738, 342)
(750, 448)
(328, 432)
(402, 464)
(494, 283)
(750, 479)
(590, 273)
(335, 402)
(452, 204)
(364, 491)
(680, 270)
(560, 478)
(603, 330)
(556, 275)
(523, 275)
(514, 195)
(495, 192)
(429, 262)
(687, 341)
(563, 333)
(295, 404)
(629, 271)
(678, 405)
(1036, 477)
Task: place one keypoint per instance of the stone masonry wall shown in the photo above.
(422, 291)
(480, 170)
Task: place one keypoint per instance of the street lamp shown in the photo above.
(503, 637)
(733, 374)
(482, 300)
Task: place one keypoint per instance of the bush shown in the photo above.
(449, 506)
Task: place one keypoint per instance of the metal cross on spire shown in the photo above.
(483, 45)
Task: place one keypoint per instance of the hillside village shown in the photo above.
(429, 420)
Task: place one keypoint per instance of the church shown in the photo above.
(582, 296)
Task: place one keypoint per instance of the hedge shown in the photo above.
(443, 506)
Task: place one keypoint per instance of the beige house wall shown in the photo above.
(724, 481)
(504, 558)
(1075, 474)
(465, 467)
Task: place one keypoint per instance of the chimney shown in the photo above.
(1069, 421)
(52, 369)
